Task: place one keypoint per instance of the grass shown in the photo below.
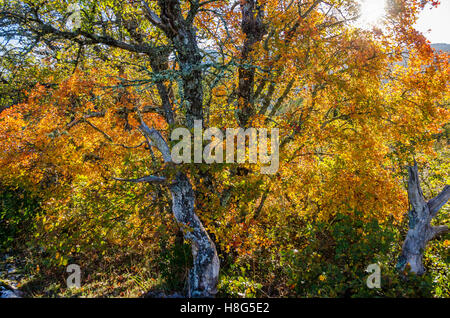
(123, 280)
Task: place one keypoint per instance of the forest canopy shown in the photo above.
(92, 92)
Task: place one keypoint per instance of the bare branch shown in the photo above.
(88, 115)
(79, 36)
(151, 15)
(156, 137)
(129, 147)
(143, 179)
(311, 8)
(282, 97)
(438, 202)
(261, 204)
(437, 231)
(108, 137)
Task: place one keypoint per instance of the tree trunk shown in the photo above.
(254, 29)
(204, 275)
(420, 230)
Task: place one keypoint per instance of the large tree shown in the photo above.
(300, 66)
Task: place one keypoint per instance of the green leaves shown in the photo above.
(18, 207)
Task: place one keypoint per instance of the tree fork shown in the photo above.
(204, 275)
(420, 230)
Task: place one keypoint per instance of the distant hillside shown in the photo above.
(441, 47)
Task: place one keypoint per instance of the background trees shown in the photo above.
(352, 112)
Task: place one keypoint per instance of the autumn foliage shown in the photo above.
(353, 106)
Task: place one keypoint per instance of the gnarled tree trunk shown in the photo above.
(203, 277)
(420, 230)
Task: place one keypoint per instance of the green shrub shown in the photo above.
(335, 261)
(17, 210)
(174, 263)
(237, 282)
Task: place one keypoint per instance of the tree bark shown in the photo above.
(182, 34)
(253, 28)
(420, 230)
(204, 275)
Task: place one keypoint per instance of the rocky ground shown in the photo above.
(9, 278)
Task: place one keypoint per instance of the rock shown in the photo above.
(6, 293)
(159, 294)
(9, 279)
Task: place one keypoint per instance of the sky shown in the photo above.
(438, 20)
(434, 23)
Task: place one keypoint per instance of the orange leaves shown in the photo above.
(344, 110)
(71, 128)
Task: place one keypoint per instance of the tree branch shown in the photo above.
(143, 179)
(156, 137)
(130, 147)
(310, 9)
(81, 37)
(152, 16)
(86, 116)
(438, 202)
(437, 231)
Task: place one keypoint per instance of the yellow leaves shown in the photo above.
(37, 134)
(348, 112)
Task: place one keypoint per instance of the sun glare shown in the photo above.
(372, 11)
